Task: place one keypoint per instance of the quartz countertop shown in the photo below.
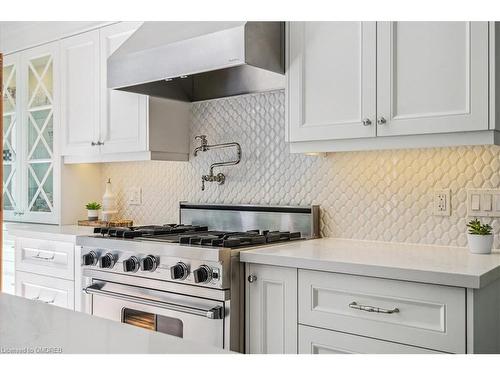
(66, 233)
(444, 265)
(33, 327)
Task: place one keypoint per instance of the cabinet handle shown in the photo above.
(381, 120)
(354, 305)
(93, 143)
(38, 256)
(99, 143)
(367, 122)
(252, 278)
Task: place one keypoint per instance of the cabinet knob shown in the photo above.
(381, 120)
(367, 122)
(93, 143)
(252, 278)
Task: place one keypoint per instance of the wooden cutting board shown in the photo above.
(100, 223)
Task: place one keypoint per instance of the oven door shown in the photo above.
(192, 318)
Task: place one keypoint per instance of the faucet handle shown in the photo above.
(202, 138)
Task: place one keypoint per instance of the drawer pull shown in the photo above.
(355, 305)
(38, 256)
(49, 302)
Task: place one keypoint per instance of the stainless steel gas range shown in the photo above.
(185, 279)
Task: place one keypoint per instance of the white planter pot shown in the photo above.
(92, 214)
(479, 244)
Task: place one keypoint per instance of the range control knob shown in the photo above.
(90, 259)
(202, 274)
(131, 264)
(108, 260)
(179, 271)
(149, 263)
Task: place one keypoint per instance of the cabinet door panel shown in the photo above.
(40, 124)
(331, 80)
(123, 114)
(11, 139)
(272, 310)
(80, 99)
(49, 290)
(432, 77)
(321, 341)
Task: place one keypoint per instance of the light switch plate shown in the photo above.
(134, 196)
(442, 205)
(483, 202)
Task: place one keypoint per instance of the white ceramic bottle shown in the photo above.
(108, 203)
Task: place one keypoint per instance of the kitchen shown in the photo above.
(266, 194)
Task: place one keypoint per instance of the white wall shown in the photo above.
(15, 35)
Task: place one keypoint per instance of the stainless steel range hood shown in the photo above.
(193, 61)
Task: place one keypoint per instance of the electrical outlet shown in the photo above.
(442, 206)
(135, 196)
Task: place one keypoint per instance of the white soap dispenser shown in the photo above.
(108, 203)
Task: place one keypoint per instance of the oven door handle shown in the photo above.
(216, 312)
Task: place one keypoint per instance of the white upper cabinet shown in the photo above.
(123, 115)
(331, 80)
(104, 125)
(432, 77)
(97, 120)
(80, 104)
(378, 85)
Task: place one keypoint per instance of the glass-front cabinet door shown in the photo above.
(30, 117)
(39, 127)
(11, 138)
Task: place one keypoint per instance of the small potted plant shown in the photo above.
(480, 238)
(93, 210)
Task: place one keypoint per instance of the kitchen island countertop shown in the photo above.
(33, 327)
(444, 265)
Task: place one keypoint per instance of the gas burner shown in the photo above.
(148, 230)
(236, 239)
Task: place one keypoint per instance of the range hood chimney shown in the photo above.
(193, 61)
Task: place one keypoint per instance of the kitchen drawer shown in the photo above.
(322, 341)
(50, 290)
(49, 258)
(429, 316)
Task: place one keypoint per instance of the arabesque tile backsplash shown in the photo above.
(377, 195)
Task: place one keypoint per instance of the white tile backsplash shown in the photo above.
(377, 195)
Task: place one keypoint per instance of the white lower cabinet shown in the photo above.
(291, 310)
(425, 315)
(271, 310)
(322, 341)
(50, 290)
(45, 271)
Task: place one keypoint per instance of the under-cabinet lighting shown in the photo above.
(322, 154)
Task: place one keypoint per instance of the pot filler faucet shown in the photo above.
(220, 178)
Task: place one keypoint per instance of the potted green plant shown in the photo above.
(93, 210)
(480, 238)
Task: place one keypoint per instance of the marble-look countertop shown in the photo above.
(66, 233)
(33, 327)
(444, 265)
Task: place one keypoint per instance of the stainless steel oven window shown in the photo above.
(153, 322)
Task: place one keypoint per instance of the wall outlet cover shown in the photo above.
(441, 202)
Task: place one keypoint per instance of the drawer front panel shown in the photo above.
(44, 289)
(322, 341)
(424, 315)
(52, 258)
